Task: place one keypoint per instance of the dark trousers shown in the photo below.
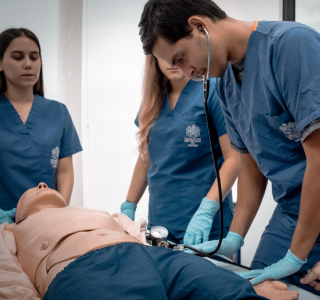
(135, 271)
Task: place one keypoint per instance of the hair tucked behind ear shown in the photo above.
(154, 89)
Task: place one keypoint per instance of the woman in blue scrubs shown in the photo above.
(37, 135)
(175, 158)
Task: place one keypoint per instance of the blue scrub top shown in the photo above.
(181, 171)
(278, 99)
(29, 152)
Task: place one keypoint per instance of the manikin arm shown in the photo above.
(275, 290)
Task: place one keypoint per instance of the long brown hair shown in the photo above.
(154, 89)
(6, 37)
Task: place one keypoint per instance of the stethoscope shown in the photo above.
(212, 135)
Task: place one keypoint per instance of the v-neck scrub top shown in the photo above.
(181, 169)
(29, 152)
(277, 105)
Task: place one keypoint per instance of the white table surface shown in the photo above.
(303, 294)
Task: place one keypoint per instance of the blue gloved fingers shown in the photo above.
(259, 279)
(201, 222)
(188, 238)
(129, 208)
(129, 213)
(205, 238)
(283, 268)
(12, 213)
(250, 274)
(7, 216)
(198, 239)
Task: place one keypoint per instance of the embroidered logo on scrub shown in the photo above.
(55, 157)
(290, 131)
(193, 133)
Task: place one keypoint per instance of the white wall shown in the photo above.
(113, 64)
(50, 21)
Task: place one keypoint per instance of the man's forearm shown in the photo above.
(251, 188)
(308, 226)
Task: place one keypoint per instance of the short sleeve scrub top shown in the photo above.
(29, 152)
(181, 169)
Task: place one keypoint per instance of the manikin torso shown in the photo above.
(47, 241)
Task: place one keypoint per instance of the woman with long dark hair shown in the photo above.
(37, 136)
(175, 157)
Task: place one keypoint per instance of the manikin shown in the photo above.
(79, 253)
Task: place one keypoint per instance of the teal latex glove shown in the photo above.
(7, 215)
(230, 245)
(129, 209)
(200, 225)
(287, 266)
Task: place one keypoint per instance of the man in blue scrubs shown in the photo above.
(269, 87)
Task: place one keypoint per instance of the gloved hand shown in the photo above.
(7, 215)
(129, 209)
(200, 225)
(287, 266)
(230, 245)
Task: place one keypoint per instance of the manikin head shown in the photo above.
(37, 199)
(173, 31)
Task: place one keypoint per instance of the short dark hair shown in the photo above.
(169, 19)
(6, 37)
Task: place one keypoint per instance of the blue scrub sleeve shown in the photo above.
(70, 143)
(215, 110)
(296, 65)
(136, 121)
(233, 135)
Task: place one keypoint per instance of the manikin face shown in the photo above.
(171, 72)
(21, 63)
(37, 199)
(190, 54)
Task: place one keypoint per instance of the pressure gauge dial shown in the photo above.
(158, 235)
(159, 232)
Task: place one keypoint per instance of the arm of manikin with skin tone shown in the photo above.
(275, 290)
(251, 188)
(65, 178)
(228, 172)
(139, 180)
(308, 225)
(312, 277)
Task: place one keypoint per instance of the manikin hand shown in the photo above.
(275, 290)
(287, 266)
(312, 277)
(129, 209)
(199, 227)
